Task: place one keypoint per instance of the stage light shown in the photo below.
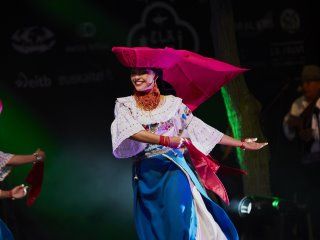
(261, 206)
(276, 203)
(245, 206)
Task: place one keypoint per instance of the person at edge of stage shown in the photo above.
(7, 162)
(302, 121)
(301, 127)
(169, 201)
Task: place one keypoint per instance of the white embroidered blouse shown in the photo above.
(4, 169)
(172, 118)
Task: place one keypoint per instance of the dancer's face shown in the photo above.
(143, 79)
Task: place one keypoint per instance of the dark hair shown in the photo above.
(165, 87)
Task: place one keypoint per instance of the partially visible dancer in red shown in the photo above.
(7, 162)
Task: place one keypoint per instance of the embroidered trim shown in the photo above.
(4, 170)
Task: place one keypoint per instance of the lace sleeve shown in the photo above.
(203, 136)
(4, 169)
(124, 126)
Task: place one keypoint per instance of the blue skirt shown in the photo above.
(163, 202)
(5, 233)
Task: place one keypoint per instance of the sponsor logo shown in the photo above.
(44, 81)
(290, 20)
(86, 30)
(36, 81)
(84, 78)
(160, 25)
(87, 47)
(256, 26)
(288, 53)
(33, 40)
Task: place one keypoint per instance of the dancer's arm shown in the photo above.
(247, 144)
(148, 137)
(39, 155)
(15, 193)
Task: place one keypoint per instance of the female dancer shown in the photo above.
(170, 203)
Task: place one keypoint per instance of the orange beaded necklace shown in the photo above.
(148, 100)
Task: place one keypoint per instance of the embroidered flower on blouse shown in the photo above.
(186, 113)
(159, 127)
(151, 127)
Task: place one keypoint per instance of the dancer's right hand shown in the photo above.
(18, 191)
(40, 155)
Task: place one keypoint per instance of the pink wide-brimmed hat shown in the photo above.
(195, 78)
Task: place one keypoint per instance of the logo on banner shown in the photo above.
(85, 78)
(25, 80)
(290, 20)
(35, 81)
(86, 31)
(160, 25)
(33, 40)
(287, 53)
(256, 26)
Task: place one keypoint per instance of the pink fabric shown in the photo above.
(0, 106)
(207, 168)
(195, 78)
(35, 178)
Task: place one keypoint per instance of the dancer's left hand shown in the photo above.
(251, 144)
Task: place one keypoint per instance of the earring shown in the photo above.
(156, 77)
